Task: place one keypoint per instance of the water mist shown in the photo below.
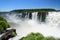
(24, 26)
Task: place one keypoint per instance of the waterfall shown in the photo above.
(34, 16)
(53, 19)
(51, 26)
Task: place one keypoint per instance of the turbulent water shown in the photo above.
(24, 26)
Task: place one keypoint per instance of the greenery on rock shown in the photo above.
(50, 38)
(13, 32)
(37, 36)
(3, 25)
(3, 29)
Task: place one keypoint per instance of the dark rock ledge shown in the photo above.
(8, 34)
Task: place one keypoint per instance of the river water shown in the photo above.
(24, 26)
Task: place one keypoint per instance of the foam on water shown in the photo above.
(23, 27)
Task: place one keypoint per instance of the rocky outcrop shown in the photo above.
(8, 34)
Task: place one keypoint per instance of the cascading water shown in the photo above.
(53, 19)
(25, 26)
(34, 16)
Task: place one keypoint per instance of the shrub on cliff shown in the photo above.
(13, 32)
(2, 19)
(50, 38)
(34, 36)
(37, 36)
(1, 29)
(3, 25)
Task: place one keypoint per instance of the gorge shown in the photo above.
(25, 22)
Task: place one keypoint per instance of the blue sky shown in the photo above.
(7, 5)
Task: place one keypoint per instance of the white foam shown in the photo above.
(50, 28)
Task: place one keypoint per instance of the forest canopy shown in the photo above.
(32, 10)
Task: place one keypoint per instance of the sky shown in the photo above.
(8, 5)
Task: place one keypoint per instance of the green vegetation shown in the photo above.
(3, 25)
(32, 10)
(37, 36)
(1, 29)
(50, 38)
(13, 32)
(2, 19)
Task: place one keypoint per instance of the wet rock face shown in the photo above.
(30, 15)
(42, 16)
(39, 15)
(23, 15)
(9, 34)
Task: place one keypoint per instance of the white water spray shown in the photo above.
(24, 27)
(34, 16)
